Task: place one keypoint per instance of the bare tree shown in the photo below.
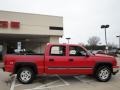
(81, 43)
(93, 41)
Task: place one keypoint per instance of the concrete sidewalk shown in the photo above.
(4, 79)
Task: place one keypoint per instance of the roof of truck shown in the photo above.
(63, 44)
(67, 44)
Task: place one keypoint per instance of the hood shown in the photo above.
(103, 55)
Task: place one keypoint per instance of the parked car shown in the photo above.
(100, 52)
(112, 52)
(61, 59)
(118, 51)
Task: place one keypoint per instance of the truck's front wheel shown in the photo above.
(25, 75)
(103, 74)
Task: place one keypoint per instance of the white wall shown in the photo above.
(54, 39)
(35, 24)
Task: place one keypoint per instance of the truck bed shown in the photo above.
(11, 59)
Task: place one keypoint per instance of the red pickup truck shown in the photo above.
(61, 59)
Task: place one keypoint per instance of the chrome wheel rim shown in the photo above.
(25, 75)
(104, 74)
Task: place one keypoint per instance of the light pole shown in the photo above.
(105, 26)
(68, 39)
(119, 40)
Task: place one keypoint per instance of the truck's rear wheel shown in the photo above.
(25, 75)
(103, 73)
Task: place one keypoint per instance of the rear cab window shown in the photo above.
(58, 50)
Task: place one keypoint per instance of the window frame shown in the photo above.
(57, 54)
(77, 55)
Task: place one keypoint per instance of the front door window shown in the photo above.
(76, 51)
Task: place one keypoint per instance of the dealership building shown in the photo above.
(25, 31)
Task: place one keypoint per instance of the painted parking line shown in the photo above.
(43, 86)
(13, 83)
(66, 83)
(49, 87)
(76, 77)
(82, 79)
(51, 84)
(17, 85)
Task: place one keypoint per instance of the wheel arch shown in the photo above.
(98, 64)
(19, 65)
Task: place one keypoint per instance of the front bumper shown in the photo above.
(115, 70)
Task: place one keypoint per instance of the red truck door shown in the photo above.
(79, 62)
(56, 60)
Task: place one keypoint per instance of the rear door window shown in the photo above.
(58, 51)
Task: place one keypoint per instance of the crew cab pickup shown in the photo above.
(61, 59)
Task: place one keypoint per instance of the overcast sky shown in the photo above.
(82, 18)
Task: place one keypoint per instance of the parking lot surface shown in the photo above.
(56, 82)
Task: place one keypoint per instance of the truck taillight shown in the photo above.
(11, 62)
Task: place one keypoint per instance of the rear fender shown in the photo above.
(19, 65)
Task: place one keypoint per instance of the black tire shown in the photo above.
(25, 75)
(103, 73)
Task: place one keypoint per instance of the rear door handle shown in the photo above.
(71, 60)
(51, 60)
